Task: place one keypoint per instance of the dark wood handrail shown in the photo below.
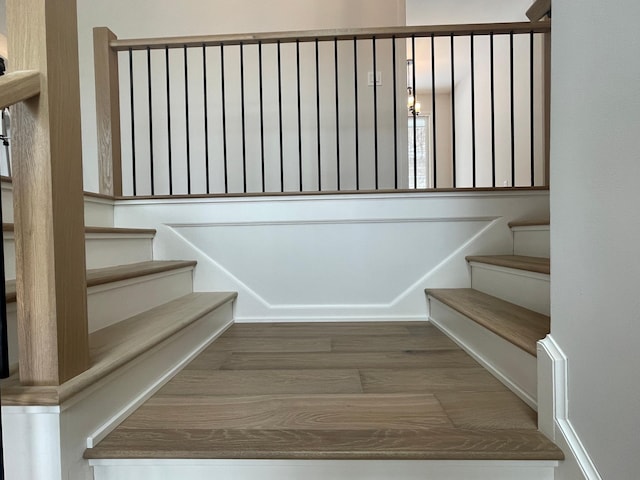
(539, 10)
(18, 86)
(329, 35)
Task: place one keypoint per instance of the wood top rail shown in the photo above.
(18, 86)
(538, 10)
(330, 35)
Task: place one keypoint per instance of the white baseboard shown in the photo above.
(333, 319)
(550, 354)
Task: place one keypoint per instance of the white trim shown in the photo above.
(342, 221)
(251, 469)
(334, 196)
(561, 407)
(111, 423)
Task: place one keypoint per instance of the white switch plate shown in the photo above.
(378, 79)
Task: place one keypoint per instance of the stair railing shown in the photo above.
(48, 213)
(383, 109)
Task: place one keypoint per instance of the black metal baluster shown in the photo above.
(433, 110)
(150, 119)
(355, 99)
(261, 115)
(299, 112)
(375, 109)
(280, 118)
(453, 113)
(206, 115)
(242, 119)
(493, 115)
(394, 105)
(513, 120)
(335, 62)
(224, 121)
(169, 150)
(473, 111)
(186, 109)
(531, 107)
(318, 115)
(133, 124)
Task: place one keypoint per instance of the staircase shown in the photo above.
(501, 317)
(145, 323)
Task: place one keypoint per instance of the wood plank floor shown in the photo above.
(338, 391)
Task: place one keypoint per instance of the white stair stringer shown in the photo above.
(322, 469)
(531, 240)
(528, 289)
(514, 367)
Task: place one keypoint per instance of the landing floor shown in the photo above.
(339, 391)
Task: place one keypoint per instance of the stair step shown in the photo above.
(517, 279)
(518, 262)
(9, 227)
(531, 237)
(516, 324)
(529, 223)
(116, 345)
(104, 246)
(101, 276)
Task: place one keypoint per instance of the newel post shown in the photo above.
(107, 111)
(48, 195)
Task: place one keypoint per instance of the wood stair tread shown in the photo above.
(100, 276)
(9, 227)
(529, 223)
(114, 346)
(516, 324)
(519, 262)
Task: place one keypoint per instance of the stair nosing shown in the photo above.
(474, 316)
(105, 275)
(515, 262)
(106, 363)
(9, 227)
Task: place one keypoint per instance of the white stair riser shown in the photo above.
(532, 241)
(113, 302)
(527, 289)
(102, 250)
(513, 366)
(322, 470)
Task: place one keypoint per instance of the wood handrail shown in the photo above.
(538, 10)
(329, 35)
(18, 86)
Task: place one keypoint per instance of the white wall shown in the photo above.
(345, 257)
(595, 226)
(169, 18)
(443, 12)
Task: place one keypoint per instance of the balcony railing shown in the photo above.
(385, 109)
